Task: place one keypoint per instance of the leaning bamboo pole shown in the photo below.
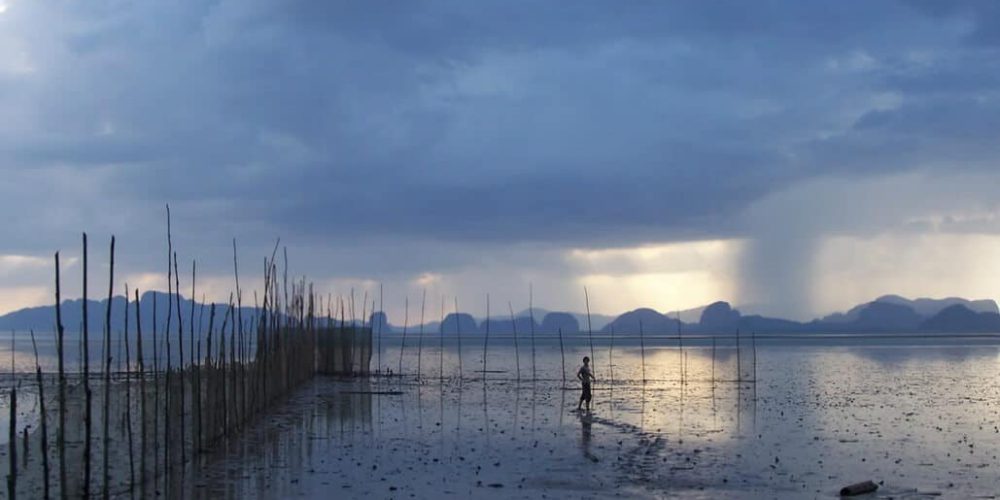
(128, 399)
(180, 359)
(61, 435)
(590, 330)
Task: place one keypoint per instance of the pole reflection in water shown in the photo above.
(326, 438)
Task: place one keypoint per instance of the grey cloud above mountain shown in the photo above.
(422, 123)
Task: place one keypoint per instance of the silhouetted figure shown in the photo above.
(585, 376)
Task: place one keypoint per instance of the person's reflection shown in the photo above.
(586, 421)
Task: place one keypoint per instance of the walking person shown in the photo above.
(585, 376)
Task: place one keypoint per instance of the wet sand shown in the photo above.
(920, 420)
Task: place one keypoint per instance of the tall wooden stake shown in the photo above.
(458, 336)
(441, 340)
(517, 350)
(43, 418)
(180, 363)
(12, 442)
(642, 350)
(531, 315)
(61, 435)
(142, 394)
(402, 343)
(562, 353)
(590, 330)
(486, 340)
(106, 478)
(382, 318)
(86, 379)
(420, 335)
(128, 399)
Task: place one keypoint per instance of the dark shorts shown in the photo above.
(585, 395)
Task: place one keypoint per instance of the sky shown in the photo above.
(793, 158)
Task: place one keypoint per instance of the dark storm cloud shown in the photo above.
(584, 123)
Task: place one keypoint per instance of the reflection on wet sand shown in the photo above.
(801, 432)
(586, 424)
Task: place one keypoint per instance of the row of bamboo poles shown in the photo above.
(159, 415)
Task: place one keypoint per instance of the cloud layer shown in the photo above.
(430, 136)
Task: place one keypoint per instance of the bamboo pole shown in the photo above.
(458, 335)
(128, 399)
(420, 335)
(611, 353)
(166, 339)
(680, 350)
(12, 454)
(590, 331)
(486, 340)
(86, 379)
(517, 351)
(61, 435)
(382, 318)
(156, 397)
(43, 420)
(562, 353)
(441, 340)
(753, 345)
(713, 362)
(180, 362)
(406, 319)
(210, 371)
(106, 478)
(642, 349)
(356, 345)
(142, 394)
(531, 314)
(239, 312)
(739, 366)
(195, 390)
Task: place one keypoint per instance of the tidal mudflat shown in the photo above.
(918, 417)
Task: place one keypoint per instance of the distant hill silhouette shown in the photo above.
(719, 316)
(923, 306)
(465, 324)
(960, 318)
(43, 319)
(886, 314)
(598, 321)
(501, 324)
(651, 321)
(555, 321)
